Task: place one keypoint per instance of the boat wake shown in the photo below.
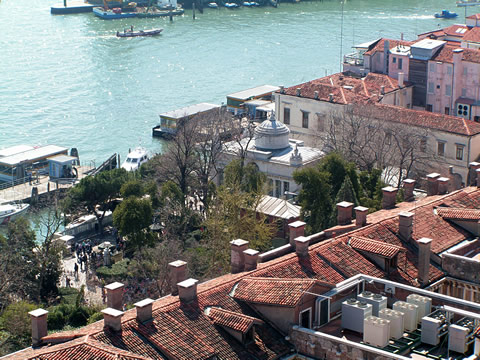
(412, 17)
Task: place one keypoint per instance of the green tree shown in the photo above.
(132, 218)
(247, 177)
(132, 188)
(16, 322)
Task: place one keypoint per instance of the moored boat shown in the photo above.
(231, 5)
(213, 5)
(9, 212)
(131, 33)
(110, 14)
(463, 3)
(156, 12)
(135, 159)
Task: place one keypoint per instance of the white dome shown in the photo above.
(272, 135)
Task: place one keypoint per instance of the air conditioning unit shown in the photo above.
(353, 314)
(378, 301)
(376, 331)
(396, 322)
(410, 312)
(460, 335)
(424, 304)
(463, 110)
(434, 326)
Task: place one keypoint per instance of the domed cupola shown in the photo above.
(271, 135)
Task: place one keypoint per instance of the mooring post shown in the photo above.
(193, 8)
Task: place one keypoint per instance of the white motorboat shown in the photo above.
(11, 211)
(135, 158)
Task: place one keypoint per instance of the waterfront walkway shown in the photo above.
(23, 192)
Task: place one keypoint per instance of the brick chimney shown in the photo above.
(361, 215)
(296, 229)
(144, 310)
(187, 290)
(301, 246)
(408, 187)
(389, 195)
(299, 92)
(251, 258)
(39, 325)
(115, 295)
(315, 95)
(178, 273)
(237, 257)
(432, 185)
(424, 245)
(443, 183)
(401, 79)
(344, 210)
(112, 318)
(405, 225)
(472, 173)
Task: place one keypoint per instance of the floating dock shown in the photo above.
(74, 7)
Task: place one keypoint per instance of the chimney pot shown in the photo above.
(315, 95)
(251, 258)
(389, 195)
(301, 246)
(187, 290)
(237, 257)
(115, 295)
(382, 90)
(178, 273)
(330, 97)
(443, 183)
(112, 318)
(405, 225)
(344, 212)
(409, 187)
(299, 92)
(282, 89)
(39, 325)
(401, 79)
(361, 215)
(144, 310)
(424, 245)
(296, 229)
(432, 185)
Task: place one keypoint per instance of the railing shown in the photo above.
(353, 59)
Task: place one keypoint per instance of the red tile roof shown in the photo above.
(233, 320)
(474, 17)
(280, 292)
(380, 45)
(458, 214)
(450, 31)
(473, 35)
(373, 246)
(446, 54)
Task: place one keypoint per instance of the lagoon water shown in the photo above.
(67, 80)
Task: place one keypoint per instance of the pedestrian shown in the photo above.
(67, 282)
(75, 268)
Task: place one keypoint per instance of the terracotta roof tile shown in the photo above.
(373, 246)
(233, 320)
(458, 213)
(474, 17)
(281, 292)
(473, 35)
(380, 45)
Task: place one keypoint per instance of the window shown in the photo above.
(432, 67)
(459, 152)
(449, 70)
(270, 187)
(394, 60)
(429, 107)
(320, 123)
(464, 92)
(305, 318)
(286, 116)
(286, 188)
(278, 188)
(447, 110)
(441, 148)
(431, 87)
(423, 145)
(476, 118)
(448, 90)
(400, 63)
(305, 119)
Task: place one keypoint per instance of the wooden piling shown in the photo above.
(193, 8)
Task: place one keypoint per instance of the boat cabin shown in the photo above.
(61, 167)
(236, 101)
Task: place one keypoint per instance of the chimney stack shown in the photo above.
(405, 225)
(299, 92)
(361, 216)
(330, 97)
(144, 310)
(443, 183)
(282, 89)
(401, 79)
(301, 246)
(457, 56)
(432, 185)
(112, 318)
(178, 273)
(382, 90)
(315, 95)
(424, 245)
(237, 257)
(296, 229)
(115, 295)
(472, 173)
(478, 177)
(251, 258)
(187, 290)
(389, 195)
(39, 325)
(408, 187)
(344, 213)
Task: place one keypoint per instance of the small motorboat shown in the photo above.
(231, 5)
(9, 212)
(213, 5)
(446, 14)
(135, 159)
(131, 33)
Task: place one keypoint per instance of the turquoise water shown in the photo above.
(67, 80)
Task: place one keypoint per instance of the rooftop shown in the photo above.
(254, 92)
(278, 208)
(189, 111)
(32, 155)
